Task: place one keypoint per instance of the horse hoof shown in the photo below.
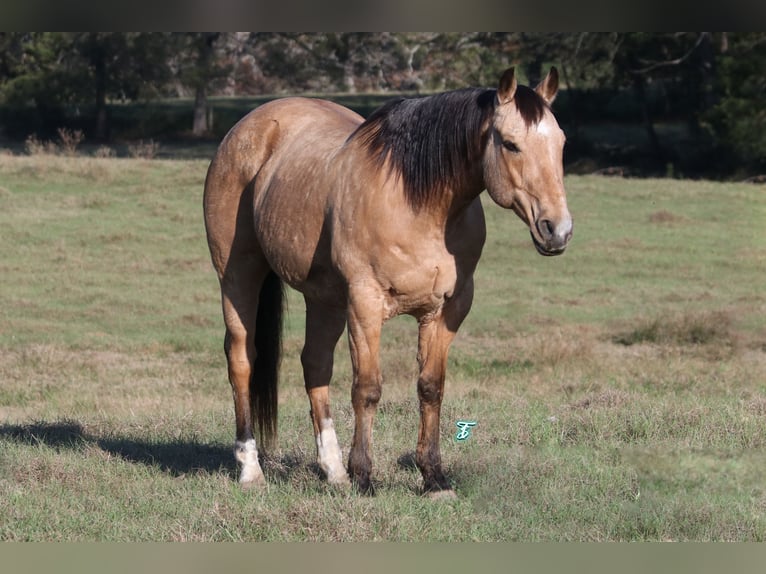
(447, 494)
(256, 483)
(340, 481)
(364, 487)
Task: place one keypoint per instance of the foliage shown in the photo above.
(56, 69)
(711, 82)
(201, 66)
(739, 116)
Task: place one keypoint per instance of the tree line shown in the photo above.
(712, 82)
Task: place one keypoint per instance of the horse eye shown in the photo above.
(510, 146)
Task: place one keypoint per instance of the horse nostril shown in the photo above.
(546, 229)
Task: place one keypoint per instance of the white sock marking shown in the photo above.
(328, 453)
(247, 455)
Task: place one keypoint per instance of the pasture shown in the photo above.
(620, 389)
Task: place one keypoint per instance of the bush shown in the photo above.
(104, 152)
(35, 146)
(144, 149)
(70, 139)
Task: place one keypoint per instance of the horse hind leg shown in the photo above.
(251, 299)
(324, 326)
(240, 356)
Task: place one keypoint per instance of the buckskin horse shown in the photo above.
(369, 219)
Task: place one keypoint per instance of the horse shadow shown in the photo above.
(177, 457)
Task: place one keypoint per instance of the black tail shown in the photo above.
(268, 348)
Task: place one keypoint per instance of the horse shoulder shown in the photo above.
(416, 261)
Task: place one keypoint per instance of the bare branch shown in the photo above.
(675, 62)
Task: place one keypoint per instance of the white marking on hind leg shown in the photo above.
(328, 454)
(246, 454)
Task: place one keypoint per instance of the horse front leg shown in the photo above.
(435, 337)
(365, 320)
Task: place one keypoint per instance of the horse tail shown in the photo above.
(268, 348)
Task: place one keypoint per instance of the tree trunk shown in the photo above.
(707, 73)
(200, 126)
(646, 116)
(348, 76)
(574, 105)
(102, 119)
(205, 64)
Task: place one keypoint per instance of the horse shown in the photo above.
(369, 219)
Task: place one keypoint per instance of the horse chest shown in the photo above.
(418, 289)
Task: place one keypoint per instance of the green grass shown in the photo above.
(620, 390)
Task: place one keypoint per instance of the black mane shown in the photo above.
(431, 140)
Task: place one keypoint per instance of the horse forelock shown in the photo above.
(530, 104)
(429, 142)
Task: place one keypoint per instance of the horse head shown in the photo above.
(523, 162)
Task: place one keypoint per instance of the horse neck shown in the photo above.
(470, 183)
(463, 191)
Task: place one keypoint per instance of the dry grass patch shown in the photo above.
(665, 217)
(41, 167)
(609, 398)
(707, 328)
(41, 379)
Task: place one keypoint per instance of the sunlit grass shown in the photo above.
(620, 390)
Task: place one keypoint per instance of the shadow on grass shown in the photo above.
(174, 457)
(177, 457)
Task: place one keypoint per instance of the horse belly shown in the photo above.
(289, 255)
(290, 227)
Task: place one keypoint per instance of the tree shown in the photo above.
(201, 65)
(586, 61)
(682, 63)
(11, 55)
(32, 75)
(738, 117)
(348, 62)
(119, 65)
(60, 69)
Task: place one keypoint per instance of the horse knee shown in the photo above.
(430, 389)
(367, 395)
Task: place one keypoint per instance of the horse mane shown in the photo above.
(431, 141)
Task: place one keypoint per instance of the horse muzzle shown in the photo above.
(552, 237)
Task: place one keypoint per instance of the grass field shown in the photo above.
(620, 390)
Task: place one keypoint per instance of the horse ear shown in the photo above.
(549, 87)
(507, 87)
